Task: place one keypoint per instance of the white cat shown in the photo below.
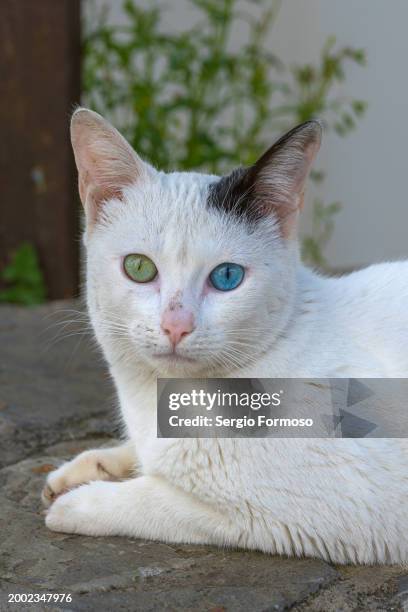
(162, 304)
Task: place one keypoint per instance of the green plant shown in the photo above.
(23, 278)
(187, 100)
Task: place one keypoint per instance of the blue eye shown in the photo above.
(227, 276)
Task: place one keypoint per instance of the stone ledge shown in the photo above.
(53, 384)
(138, 574)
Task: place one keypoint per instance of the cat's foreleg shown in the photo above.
(145, 507)
(98, 464)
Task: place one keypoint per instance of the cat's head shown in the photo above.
(187, 273)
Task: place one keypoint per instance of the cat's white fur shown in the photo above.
(343, 500)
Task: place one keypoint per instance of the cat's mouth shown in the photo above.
(174, 357)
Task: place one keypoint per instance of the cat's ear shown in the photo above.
(106, 162)
(278, 178)
(275, 184)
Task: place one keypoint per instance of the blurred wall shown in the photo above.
(366, 170)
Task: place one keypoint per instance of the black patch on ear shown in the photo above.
(246, 193)
(232, 194)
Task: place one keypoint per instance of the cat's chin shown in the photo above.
(176, 364)
(174, 358)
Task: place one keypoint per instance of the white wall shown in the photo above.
(367, 170)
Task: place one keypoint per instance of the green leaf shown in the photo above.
(23, 277)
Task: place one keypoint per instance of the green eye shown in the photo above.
(139, 268)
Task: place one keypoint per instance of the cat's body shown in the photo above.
(355, 325)
(342, 500)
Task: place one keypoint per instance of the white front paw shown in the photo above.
(82, 510)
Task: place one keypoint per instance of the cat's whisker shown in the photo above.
(60, 311)
(65, 323)
(60, 326)
(61, 337)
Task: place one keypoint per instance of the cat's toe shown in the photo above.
(78, 511)
(48, 495)
(56, 485)
(66, 513)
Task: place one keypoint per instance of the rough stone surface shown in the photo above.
(136, 575)
(56, 401)
(52, 380)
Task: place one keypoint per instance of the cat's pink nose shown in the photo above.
(177, 324)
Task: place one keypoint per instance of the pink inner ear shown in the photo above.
(93, 193)
(106, 167)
